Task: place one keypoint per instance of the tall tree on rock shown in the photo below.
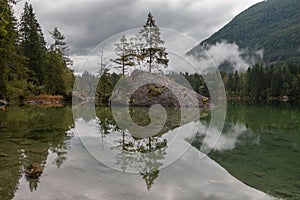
(32, 44)
(153, 53)
(125, 52)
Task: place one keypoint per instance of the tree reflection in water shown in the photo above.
(145, 155)
(28, 135)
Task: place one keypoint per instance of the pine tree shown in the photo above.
(104, 88)
(152, 52)
(12, 72)
(60, 46)
(33, 44)
(5, 26)
(54, 82)
(125, 52)
(58, 77)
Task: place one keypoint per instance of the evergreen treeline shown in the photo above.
(29, 66)
(258, 83)
(261, 82)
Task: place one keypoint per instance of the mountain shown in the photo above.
(272, 26)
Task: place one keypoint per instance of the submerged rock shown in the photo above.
(34, 170)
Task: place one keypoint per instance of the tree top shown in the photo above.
(150, 21)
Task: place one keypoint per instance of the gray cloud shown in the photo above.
(212, 56)
(86, 23)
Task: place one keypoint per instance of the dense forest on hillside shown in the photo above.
(272, 26)
(28, 65)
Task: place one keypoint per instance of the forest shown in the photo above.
(259, 83)
(28, 65)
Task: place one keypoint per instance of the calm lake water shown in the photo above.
(256, 157)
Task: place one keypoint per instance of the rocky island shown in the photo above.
(144, 89)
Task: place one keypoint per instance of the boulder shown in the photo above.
(146, 89)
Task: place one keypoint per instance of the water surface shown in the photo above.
(47, 137)
(262, 147)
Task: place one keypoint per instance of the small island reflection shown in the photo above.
(145, 156)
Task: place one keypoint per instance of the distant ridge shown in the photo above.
(272, 25)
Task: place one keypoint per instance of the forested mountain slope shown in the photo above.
(272, 26)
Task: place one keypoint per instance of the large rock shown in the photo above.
(147, 89)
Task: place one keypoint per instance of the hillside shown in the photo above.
(272, 25)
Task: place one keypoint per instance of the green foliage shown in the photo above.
(60, 46)
(27, 67)
(105, 88)
(12, 72)
(154, 91)
(152, 51)
(125, 52)
(58, 78)
(145, 50)
(272, 26)
(258, 83)
(264, 83)
(33, 45)
(104, 84)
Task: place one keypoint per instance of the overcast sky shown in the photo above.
(86, 23)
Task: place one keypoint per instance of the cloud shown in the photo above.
(213, 56)
(86, 23)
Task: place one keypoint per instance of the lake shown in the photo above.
(46, 154)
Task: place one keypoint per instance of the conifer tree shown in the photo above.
(57, 72)
(33, 45)
(60, 46)
(12, 73)
(153, 54)
(125, 52)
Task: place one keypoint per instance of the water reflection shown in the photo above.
(28, 135)
(233, 134)
(260, 146)
(150, 153)
(120, 149)
(43, 141)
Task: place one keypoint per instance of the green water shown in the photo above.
(260, 146)
(266, 155)
(28, 135)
